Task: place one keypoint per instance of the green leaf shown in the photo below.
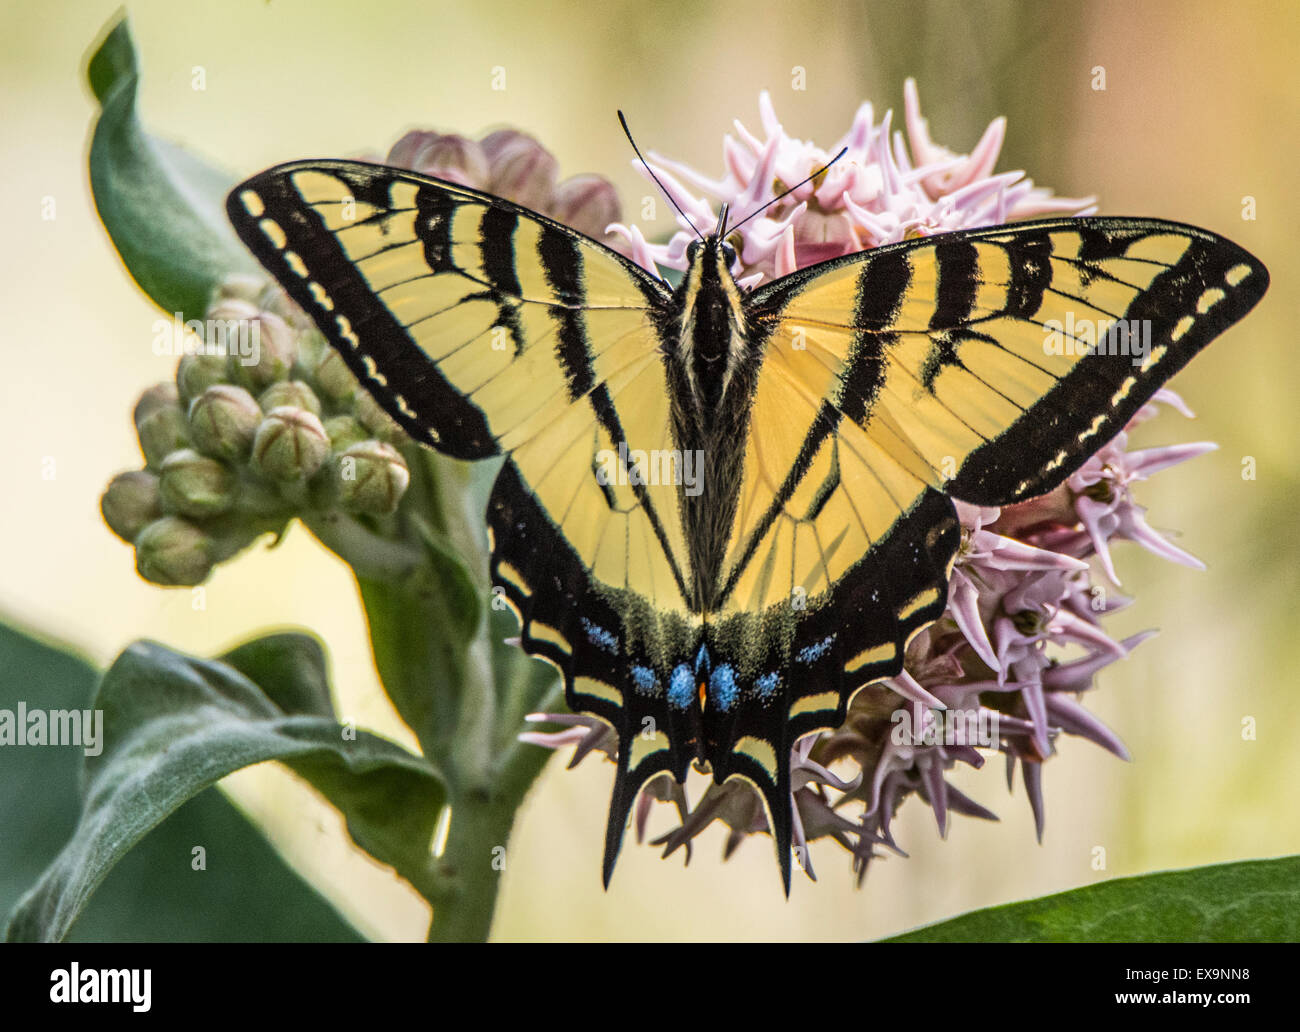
(246, 894)
(420, 665)
(174, 725)
(163, 207)
(460, 595)
(392, 814)
(1253, 901)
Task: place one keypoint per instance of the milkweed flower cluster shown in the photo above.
(1029, 580)
(513, 165)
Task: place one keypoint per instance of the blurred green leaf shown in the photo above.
(163, 207)
(1253, 901)
(174, 725)
(462, 601)
(246, 894)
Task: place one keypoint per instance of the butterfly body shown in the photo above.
(711, 366)
(723, 512)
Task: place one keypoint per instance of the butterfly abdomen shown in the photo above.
(712, 370)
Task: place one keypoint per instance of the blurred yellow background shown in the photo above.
(1200, 111)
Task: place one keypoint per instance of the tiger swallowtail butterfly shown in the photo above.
(721, 512)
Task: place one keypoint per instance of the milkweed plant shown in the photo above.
(245, 440)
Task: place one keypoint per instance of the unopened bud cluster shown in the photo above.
(237, 445)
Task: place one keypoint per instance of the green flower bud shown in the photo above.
(291, 444)
(173, 551)
(196, 373)
(344, 431)
(371, 415)
(274, 299)
(334, 379)
(195, 485)
(372, 477)
(130, 502)
(291, 394)
(268, 348)
(223, 421)
(311, 346)
(161, 431)
(159, 396)
(232, 309)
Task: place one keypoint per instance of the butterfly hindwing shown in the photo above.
(792, 669)
(614, 649)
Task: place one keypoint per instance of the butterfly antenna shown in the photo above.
(628, 133)
(792, 189)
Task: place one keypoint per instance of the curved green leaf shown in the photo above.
(1253, 901)
(174, 725)
(162, 206)
(246, 893)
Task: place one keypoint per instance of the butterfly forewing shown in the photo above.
(1007, 356)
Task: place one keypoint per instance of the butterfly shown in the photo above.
(722, 512)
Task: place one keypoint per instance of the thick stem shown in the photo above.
(370, 555)
(437, 650)
(470, 869)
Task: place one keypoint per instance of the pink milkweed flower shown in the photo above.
(884, 189)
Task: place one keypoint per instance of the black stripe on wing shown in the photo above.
(458, 429)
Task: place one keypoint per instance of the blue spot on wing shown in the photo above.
(814, 652)
(681, 688)
(722, 687)
(644, 680)
(600, 637)
(766, 685)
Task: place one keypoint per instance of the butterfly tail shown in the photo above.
(635, 768)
